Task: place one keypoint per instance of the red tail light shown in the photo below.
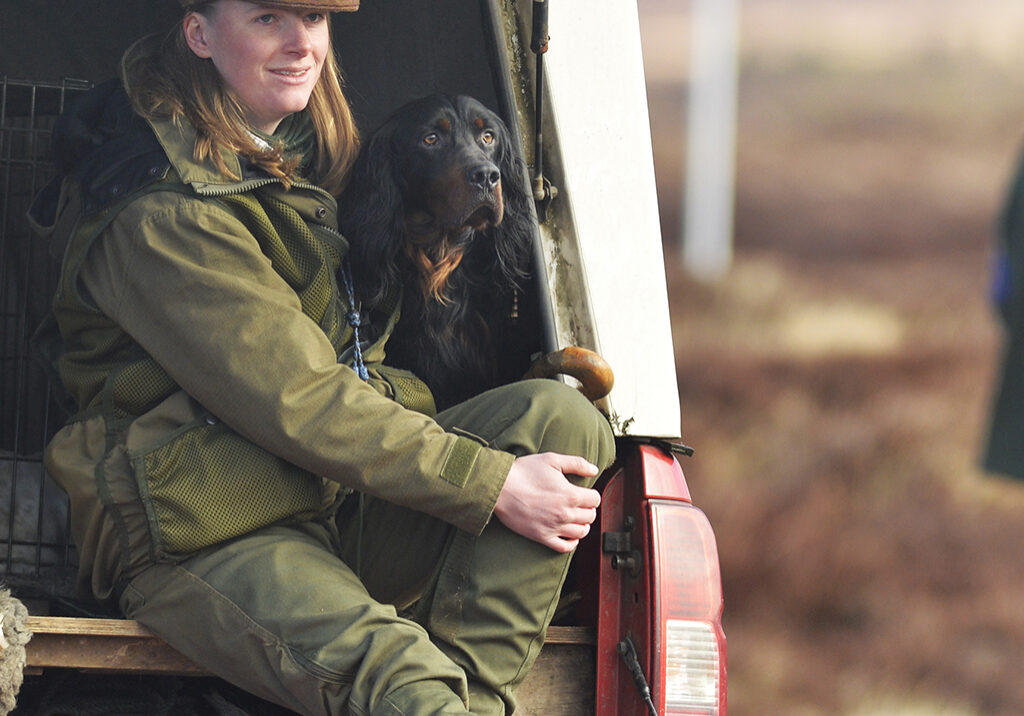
(661, 591)
(689, 644)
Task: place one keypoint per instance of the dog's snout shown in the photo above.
(484, 176)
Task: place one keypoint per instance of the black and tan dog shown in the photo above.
(437, 203)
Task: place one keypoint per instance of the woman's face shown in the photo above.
(269, 57)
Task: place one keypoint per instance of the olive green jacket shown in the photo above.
(260, 411)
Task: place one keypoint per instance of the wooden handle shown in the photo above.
(591, 370)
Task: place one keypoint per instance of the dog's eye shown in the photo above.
(487, 137)
(431, 139)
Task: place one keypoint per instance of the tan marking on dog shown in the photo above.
(434, 270)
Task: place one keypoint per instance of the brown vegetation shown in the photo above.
(836, 382)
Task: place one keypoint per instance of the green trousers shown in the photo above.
(385, 610)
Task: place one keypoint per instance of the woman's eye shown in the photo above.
(265, 19)
(431, 139)
(315, 17)
(487, 137)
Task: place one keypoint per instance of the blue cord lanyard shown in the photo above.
(354, 320)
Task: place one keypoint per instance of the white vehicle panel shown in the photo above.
(598, 105)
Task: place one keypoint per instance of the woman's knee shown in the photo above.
(532, 416)
(570, 422)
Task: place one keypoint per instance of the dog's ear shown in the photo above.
(513, 236)
(371, 215)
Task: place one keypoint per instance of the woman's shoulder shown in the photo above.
(175, 209)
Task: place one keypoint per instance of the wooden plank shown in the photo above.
(109, 654)
(571, 635)
(110, 645)
(561, 683)
(130, 627)
(89, 627)
(124, 645)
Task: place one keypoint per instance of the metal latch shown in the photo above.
(620, 546)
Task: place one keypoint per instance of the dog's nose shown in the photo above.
(484, 176)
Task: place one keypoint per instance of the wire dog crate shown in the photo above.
(35, 548)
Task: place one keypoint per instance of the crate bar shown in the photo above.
(28, 110)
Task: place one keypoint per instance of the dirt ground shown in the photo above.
(836, 381)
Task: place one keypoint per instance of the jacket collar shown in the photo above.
(178, 140)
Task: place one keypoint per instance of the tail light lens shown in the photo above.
(687, 589)
(692, 663)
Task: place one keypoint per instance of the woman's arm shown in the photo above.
(186, 280)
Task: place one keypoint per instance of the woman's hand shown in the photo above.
(539, 503)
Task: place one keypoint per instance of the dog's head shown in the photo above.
(447, 154)
(436, 179)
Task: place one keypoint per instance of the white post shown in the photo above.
(711, 138)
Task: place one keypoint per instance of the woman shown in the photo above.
(283, 522)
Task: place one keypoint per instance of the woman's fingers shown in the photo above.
(538, 501)
(570, 464)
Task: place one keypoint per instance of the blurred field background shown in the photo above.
(836, 382)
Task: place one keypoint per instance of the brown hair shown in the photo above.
(166, 80)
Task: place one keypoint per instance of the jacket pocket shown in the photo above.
(206, 484)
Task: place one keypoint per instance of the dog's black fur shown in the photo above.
(436, 203)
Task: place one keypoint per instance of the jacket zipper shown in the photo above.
(220, 190)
